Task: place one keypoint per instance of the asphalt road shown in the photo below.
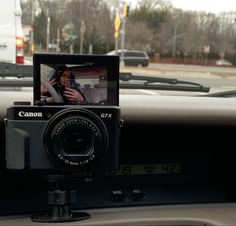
(218, 78)
(193, 68)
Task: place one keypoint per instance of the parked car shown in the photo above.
(133, 57)
(223, 62)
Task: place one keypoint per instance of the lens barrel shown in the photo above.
(75, 138)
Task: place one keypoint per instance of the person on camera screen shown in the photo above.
(65, 86)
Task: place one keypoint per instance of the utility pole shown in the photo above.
(58, 40)
(123, 42)
(174, 42)
(32, 27)
(82, 31)
(48, 33)
(125, 15)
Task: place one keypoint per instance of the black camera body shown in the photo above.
(64, 138)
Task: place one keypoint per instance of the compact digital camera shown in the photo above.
(59, 134)
(62, 137)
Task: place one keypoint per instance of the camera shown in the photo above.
(64, 138)
(69, 127)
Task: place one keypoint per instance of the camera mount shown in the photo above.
(59, 201)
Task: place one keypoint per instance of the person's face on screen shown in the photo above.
(65, 79)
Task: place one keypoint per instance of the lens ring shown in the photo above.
(75, 120)
(57, 134)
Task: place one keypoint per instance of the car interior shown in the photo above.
(176, 167)
(117, 113)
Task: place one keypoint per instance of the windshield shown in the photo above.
(189, 40)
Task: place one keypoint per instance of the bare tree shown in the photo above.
(139, 36)
(95, 16)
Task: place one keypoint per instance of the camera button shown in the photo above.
(117, 196)
(137, 195)
(121, 123)
(21, 103)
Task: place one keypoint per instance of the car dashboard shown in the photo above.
(176, 168)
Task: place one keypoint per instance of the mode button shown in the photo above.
(117, 196)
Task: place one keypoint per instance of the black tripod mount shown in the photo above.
(59, 202)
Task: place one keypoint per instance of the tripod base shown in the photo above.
(74, 216)
(59, 203)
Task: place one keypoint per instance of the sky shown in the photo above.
(214, 6)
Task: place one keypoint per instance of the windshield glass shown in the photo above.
(188, 40)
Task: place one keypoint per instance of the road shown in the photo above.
(193, 68)
(218, 78)
(180, 68)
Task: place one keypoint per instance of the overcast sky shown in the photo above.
(214, 6)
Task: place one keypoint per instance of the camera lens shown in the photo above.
(74, 138)
(77, 140)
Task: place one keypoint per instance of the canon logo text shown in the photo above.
(30, 114)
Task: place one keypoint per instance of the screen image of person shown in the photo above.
(64, 85)
(73, 86)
